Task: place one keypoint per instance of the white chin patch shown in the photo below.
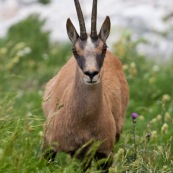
(91, 83)
(94, 81)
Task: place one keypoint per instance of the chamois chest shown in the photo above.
(73, 133)
(76, 124)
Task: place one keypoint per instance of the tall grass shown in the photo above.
(28, 60)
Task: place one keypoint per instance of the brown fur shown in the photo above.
(76, 112)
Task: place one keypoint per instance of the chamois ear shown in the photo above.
(105, 29)
(71, 31)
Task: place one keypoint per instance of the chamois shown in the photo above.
(87, 99)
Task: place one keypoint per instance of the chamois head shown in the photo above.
(89, 49)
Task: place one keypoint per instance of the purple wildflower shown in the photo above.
(134, 115)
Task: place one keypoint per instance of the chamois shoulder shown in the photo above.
(112, 62)
(57, 85)
(114, 79)
(115, 85)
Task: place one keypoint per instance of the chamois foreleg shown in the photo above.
(49, 156)
(48, 153)
(105, 162)
(84, 156)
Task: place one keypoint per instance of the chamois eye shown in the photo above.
(74, 51)
(104, 49)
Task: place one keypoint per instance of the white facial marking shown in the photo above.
(91, 63)
(89, 45)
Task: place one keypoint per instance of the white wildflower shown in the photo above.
(164, 128)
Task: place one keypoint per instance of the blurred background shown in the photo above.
(150, 20)
(34, 46)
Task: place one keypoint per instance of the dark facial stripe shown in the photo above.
(99, 60)
(100, 57)
(104, 49)
(80, 60)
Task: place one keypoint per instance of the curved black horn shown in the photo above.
(94, 21)
(83, 34)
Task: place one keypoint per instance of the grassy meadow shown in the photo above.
(28, 60)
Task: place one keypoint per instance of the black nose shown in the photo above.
(91, 74)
